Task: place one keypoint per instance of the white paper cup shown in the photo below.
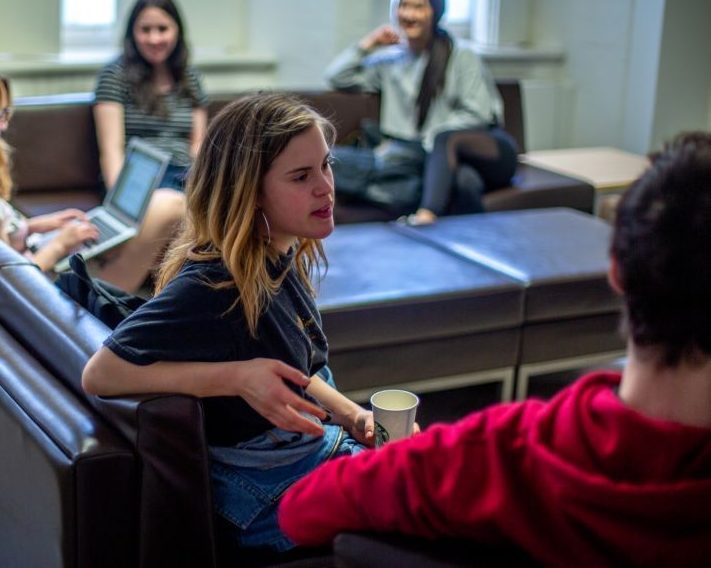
(394, 414)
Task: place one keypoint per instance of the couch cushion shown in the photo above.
(383, 287)
(56, 164)
(345, 110)
(560, 256)
(536, 188)
(57, 147)
(397, 311)
(35, 203)
(384, 550)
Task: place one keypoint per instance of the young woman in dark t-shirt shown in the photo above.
(234, 319)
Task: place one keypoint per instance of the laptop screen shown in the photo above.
(140, 174)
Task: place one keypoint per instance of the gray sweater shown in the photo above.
(469, 98)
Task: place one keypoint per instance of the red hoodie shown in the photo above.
(581, 480)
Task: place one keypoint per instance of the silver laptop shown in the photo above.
(120, 216)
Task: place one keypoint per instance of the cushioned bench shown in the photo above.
(570, 314)
(56, 162)
(398, 312)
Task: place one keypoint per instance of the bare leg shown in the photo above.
(130, 264)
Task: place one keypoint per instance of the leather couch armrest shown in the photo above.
(176, 515)
(68, 482)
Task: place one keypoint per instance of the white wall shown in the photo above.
(23, 33)
(307, 34)
(634, 72)
(217, 24)
(639, 69)
(639, 104)
(595, 38)
(237, 44)
(684, 79)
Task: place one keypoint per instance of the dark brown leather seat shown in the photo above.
(56, 160)
(362, 550)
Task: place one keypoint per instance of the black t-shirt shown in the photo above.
(191, 321)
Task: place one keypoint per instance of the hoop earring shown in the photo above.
(266, 223)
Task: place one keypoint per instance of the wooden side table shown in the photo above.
(609, 170)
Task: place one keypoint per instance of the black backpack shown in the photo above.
(106, 302)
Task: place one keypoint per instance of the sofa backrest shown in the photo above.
(55, 144)
(345, 110)
(348, 109)
(510, 90)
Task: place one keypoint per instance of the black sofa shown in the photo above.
(100, 482)
(56, 160)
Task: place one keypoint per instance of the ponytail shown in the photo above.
(435, 74)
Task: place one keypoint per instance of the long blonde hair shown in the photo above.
(222, 191)
(5, 179)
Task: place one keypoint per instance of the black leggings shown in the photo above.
(465, 164)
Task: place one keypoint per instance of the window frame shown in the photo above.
(88, 37)
(461, 28)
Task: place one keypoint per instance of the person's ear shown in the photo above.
(614, 276)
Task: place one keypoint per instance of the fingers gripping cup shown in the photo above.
(394, 414)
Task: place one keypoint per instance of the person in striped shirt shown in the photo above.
(151, 92)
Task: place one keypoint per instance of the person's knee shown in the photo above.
(441, 141)
(468, 180)
(169, 205)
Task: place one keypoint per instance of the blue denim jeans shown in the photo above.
(174, 177)
(249, 478)
(388, 176)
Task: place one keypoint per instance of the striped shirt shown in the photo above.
(170, 133)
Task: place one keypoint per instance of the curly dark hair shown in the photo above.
(662, 245)
(139, 71)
